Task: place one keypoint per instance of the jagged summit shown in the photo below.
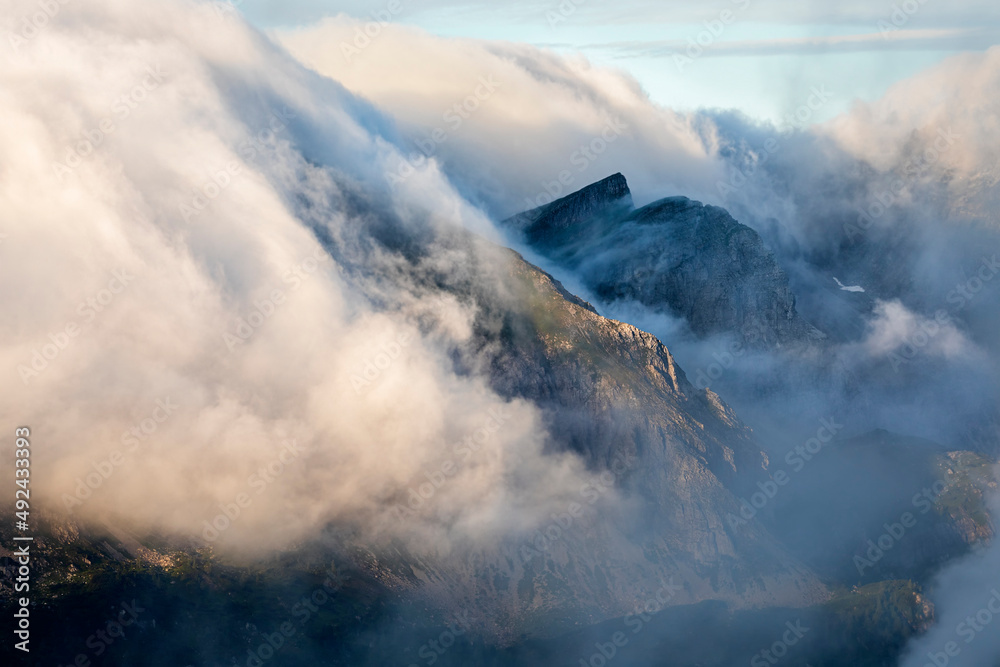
(665, 207)
(559, 221)
(676, 255)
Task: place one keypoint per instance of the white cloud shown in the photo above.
(945, 39)
(966, 595)
(202, 189)
(548, 115)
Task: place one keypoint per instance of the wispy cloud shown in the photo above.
(948, 39)
(969, 13)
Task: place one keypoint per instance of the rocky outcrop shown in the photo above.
(674, 256)
(675, 460)
(562, 223)
(676, 457)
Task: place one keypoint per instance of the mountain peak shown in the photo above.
(571, 216)
(675, 255)
(612, 188)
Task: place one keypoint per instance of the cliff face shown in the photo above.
(675, 256)
(676, 457)
(565, 221)
(672, 462)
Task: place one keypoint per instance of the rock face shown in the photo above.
(674, 256)
(679, 459)
(673, 461)
(676, 458)
(564, 222)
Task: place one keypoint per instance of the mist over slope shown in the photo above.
(675, 257)
(239, 333)
(176, 320)
(868, 201)
(262, 312)
(884, 220)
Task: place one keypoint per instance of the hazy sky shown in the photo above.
(760, 56)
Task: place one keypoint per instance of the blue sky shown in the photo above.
(763, 57)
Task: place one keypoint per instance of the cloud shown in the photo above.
(813, 194)
(894, 326)
(178, 337)
(545, 126)
(168, 212)
(935, 125)
(947, 39)
(966, 599)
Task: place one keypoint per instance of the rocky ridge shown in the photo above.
(675, 256)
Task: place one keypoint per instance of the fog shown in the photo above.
(893, 200)
(189, 356)
(220, 251)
